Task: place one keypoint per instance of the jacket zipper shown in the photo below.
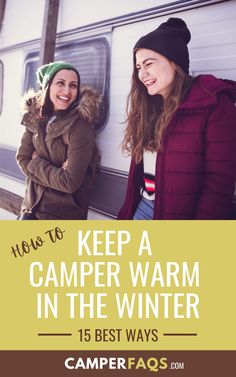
(38, 201)
(169, 129)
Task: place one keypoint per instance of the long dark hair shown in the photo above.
(148, 116)
(47, 108)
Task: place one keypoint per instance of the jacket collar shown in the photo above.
(205, 90)
(88, 109)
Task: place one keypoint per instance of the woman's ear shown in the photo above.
(173, 65)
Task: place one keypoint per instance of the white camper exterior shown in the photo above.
(98, 37)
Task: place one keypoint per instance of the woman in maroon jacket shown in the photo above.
(181, 134)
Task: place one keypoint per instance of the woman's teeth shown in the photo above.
(149, 83)
(64, 98)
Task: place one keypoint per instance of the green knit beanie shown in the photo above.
(46, 72)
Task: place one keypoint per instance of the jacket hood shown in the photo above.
(205, 91)
(88, 108)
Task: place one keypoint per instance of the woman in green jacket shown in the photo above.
(57, 152)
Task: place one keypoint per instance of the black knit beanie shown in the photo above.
(170, 39)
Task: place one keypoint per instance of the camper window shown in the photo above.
(91, 58)
(31, 65)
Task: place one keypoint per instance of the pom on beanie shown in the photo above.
(47, 71)
(170, 39)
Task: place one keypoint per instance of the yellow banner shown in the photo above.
(121, 285)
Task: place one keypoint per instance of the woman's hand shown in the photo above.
(64, 165)
(34, 155)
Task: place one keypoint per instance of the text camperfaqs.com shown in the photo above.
(152, 364)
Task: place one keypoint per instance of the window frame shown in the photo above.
(1, 84)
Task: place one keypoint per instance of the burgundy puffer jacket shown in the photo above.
(196, 170)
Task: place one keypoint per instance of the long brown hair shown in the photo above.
(148, 116)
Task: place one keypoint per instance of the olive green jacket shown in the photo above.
(51, 191)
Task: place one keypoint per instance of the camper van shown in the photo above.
(98, 37)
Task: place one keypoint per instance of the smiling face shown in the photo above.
(63, 89)
(155, 71)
